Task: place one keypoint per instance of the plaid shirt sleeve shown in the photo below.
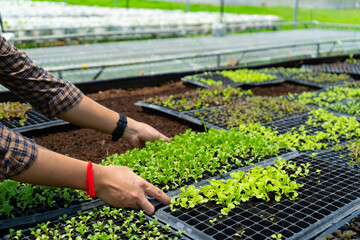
(45, 92)
(16, 153)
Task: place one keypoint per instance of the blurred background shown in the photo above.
(86, 40)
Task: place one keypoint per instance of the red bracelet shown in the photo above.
(90, 188)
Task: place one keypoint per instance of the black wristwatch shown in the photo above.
(120, 128)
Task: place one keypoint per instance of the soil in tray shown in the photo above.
(91, 145)
(252, 109)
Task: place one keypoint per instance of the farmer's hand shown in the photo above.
(137, 133)
(121, 187)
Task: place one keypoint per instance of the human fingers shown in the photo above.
(156, 193)
(162, 136)
(145, 205)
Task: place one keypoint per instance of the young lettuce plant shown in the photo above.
(354, 147)
(242, 187)
(14, 110)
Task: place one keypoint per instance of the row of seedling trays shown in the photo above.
(301, 184)
(34, 120)
(267, 76)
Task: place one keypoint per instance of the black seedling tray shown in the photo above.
(318, 85)
(348, 68)
(197, 83)
(342, 226)
(42, 214)
(285, 125)
(337, 157)
(319, 204)
(192, 118)
(26, 233)
(35, 121)
(214, 76)
(282, 125)
(227, 81)
(148, 107)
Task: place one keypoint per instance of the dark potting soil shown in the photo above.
(88, 144)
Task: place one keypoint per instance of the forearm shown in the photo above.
(54, 169)
(88, 113)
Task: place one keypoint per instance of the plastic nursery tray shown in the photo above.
(34, 121)
(41, 214)
(337, 157)
(192, 118)
(353, 69)
(341, 225)
(318, 85)
(323, 199)
(285, 154)
(227, 81)
(26, 233)
(149, 107)
(283, 125)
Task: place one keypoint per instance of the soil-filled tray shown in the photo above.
(211, 79)
(348, 228)
(204, 116)
(348, 68)
(102, 223)
(346, 154)
(340, 158)
(41, 214)
(34, 121)
(282, 125)
(330, 193)
(148, 107)
(250, 109)
(173, 105)
(319, 85)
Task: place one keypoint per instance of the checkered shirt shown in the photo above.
(45, 92)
